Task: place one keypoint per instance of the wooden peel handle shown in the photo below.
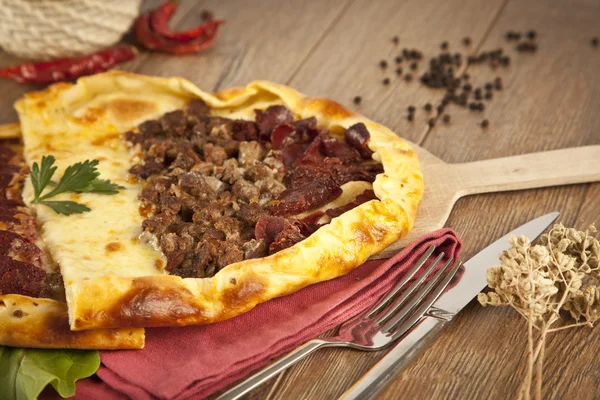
(528, 171)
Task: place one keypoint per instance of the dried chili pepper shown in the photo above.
(160, 18)
(152, 31)
(69, 68)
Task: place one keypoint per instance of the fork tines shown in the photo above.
(398, 312)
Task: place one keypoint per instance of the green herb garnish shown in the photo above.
(81, 177)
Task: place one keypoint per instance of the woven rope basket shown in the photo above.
(46, 29)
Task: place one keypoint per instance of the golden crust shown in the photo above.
(44, 323)
(117, 101)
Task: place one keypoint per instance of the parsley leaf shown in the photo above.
(65, 207)
(81, 177)
(40, 176)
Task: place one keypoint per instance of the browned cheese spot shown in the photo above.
(101, 141)
(113, 246)
(127, 110)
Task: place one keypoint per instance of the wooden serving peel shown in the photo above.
(445, 183)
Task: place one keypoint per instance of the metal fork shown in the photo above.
(375, 328)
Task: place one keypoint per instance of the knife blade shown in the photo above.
(443, 310)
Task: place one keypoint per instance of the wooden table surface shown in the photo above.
(551, 100)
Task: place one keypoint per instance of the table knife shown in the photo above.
(443, 310)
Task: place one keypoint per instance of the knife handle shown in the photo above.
(395, 360)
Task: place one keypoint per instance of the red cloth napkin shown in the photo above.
(180, 363)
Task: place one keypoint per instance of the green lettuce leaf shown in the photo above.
(24, 373)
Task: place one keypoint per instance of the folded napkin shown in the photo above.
(193, 362)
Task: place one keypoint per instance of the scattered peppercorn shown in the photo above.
(410, 117)
(489, 95)
(531, 34)
(527, 47)
(466, 41)
(398, 71)
(489, 86)
(485, 123)
(498, 83)
(383, 64)
(428, 107)
(408, 77)
(440, 109)
(431, 122)
(386, 81)
(467, 87)
(594, 42)
(444, 45)
(466, 77)
(398, 59)
(414, 66)
(473, 106)
(411, 109)
(396, 40)
(446, 119)
(357, 100)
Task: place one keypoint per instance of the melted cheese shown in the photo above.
(104, 241)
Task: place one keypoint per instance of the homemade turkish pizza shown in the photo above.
(165, 205)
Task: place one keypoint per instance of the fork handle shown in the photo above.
(272, 370)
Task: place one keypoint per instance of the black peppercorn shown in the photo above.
(357, 100)
(386, 81)
(444, 45)
(473, 106)
(466, 77)
(594, 42)
(428, 107)
(396, 40)
(531, 34)
(408, 77)
(446, 119)
(431, 122)
(467, 87)
(398, 71)
(411, 109)
(440, 109)
(383, 64)
(488, 86)
(485, 123)
(410, 117)
(398, 60)
(467, 41)
(489, 95)
(414, 66)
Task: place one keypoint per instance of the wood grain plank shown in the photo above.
(548, 102)
(266, 40)
(346, 63)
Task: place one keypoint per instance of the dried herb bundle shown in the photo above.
(539, 281)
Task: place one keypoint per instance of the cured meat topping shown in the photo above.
(21, 269)
(219, 191)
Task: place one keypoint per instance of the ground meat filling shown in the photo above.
(219, 191)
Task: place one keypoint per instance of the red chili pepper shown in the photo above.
(160, 17)
(152, 31)
(69, 68)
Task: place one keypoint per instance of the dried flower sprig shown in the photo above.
(562, 273)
